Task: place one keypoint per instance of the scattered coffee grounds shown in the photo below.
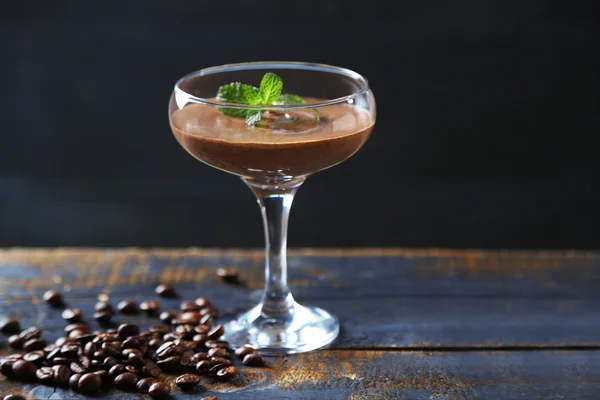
(126, 358)
(53, 298)
(165, 291)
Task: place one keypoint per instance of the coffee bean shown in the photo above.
(254, 360)
(131, 343)
(61, 340)
(89, 383)
(151, 369)
(69, 350)
(227, 274)
(187, 382)
(136, 361)
(220, 360)
(102, 317)
(189, 305)
(207, 319)
(81, 326)
(226, 373)
(217, 343)
(160, 329)
(151, 307)
(36, 357)
(188, 361)
(31, 333)
(169, 337)
(201, 356)
(72, 315)
(111, 349)
(116, 370)
(218, 352)
(126, 381)
(125, 353)
(77, 368)
(61, 375)
(103, 306)
(143, 385)
(159, 391)
(210, 398)
(200, 339)
(110, 362)
(16, 342)
(150, 353)
(208, 310)
(203, 366)
(243, 351)
(167, 316)
(166, 350)
(165, 290)
(50, 347)
(53, 298)
(127, 330)
(74, 380)
(9, 325)
(186, 331)
(34, 344)
(132, 369)
(189, 317)
(45, 375)
(128, 307)
(85, 362)
(169, 362)
(155, 343)
(6, 367)
(14, 397)
(103, 374)
(60, 361)
(24, 370)
(84, 338)
(202, 302)
(216, 332)
(217, 367)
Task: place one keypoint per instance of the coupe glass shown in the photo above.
(274, 159)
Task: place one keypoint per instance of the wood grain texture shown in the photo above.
(416, 324)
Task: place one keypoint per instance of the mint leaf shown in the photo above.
(289, 98)
(253, 117)
(239, 93)
(270, 88)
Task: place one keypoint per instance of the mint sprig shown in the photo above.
(269, 93)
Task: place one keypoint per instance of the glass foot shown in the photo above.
(299, 330)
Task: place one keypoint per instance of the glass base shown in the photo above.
(298, 330)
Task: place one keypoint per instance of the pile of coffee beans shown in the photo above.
(188, 344)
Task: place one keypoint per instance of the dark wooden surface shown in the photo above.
(416, 324)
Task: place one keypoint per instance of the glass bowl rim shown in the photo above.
(275, 65)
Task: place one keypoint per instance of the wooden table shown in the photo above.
(416, 324)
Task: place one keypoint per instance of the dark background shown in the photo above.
(488, 114)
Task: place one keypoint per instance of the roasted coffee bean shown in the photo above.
(169, 362)
(111, 349)
(31, 333)
(97, 365)
(53, 298)
(150, 353)
(16, 342)
(210, 398)
(110, 362)
(187, 361)
(160, 329)
(189, 305)
(14, 397)
(127, 330)
(226, 374)
(202, 302)
(126, 381)
(150, 307)
(9, 325)
(200, 339)
(136, 361)
(151, 369)
(220, 360)
(132, 369)
(61, 375)
(72, 315)
(167, 316)
(60, 361)
(90, 348)
(84, 338)
(207, 319)
(103, 374)
(254, 360)
(159, 391)
(187, 382)
(85, 362)
(227, 274)
(78, 326)
(34, 344)
(167, 349)
(186, 331)
(89, 383)
(61, 340)
(103, 317)
(103, 306)
(202, 355)
(218, 352)
(6, 367)
(216, 332)
(125, 353)
(76, 334)
(69, 350)
(143, 385)
(155, 343)
(165, 290)
(77, 368)
(74, 380)
(171, 336)
(36, 357)
(131, 343)
(190, 317)
(217, 343)
(216, 368)
(203, 366)
(243, 351)
(45, 375)
(128, 307)
(116, 370)
(50, 347)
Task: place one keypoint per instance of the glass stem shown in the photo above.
(275, 201)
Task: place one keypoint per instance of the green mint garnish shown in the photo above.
(269, 93)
